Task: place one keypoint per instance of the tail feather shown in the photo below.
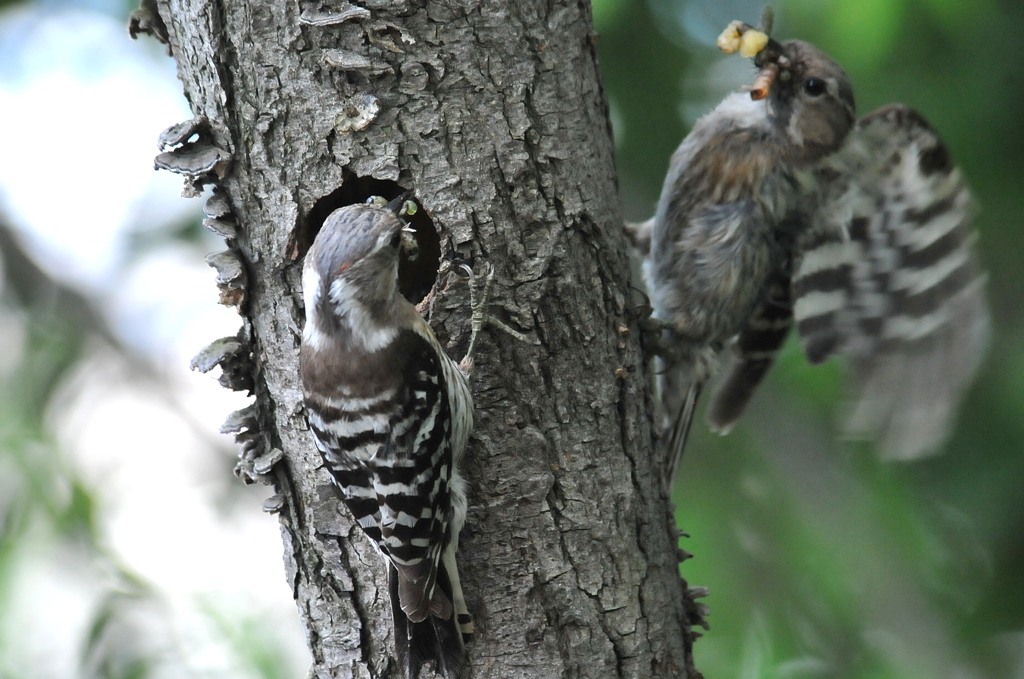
(679, 431)
(681, 376)
(435, 638)
(451, 570)
(734, 394)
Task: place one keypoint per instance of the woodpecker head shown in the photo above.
(811, 99)
(350, 276)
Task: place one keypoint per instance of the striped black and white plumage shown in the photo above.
(390, 414)
(789, 210)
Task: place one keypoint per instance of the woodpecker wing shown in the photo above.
(413, 488)
(897, 288)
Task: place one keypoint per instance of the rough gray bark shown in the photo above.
(492, 112)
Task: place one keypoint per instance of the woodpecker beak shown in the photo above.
(405, 205)
(771, 61)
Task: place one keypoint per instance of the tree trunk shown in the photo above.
(493, 113)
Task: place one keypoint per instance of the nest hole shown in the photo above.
(416, 274)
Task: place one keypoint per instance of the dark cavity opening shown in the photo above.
(417, 271)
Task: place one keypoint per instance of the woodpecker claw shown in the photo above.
(479, 294)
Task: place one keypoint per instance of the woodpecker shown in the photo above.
(779, 208)
(390, 414)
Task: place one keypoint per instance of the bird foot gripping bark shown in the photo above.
(659, 336)
(479, 291)
(479, 294)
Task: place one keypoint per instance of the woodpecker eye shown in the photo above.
(814, 87)
(396, 240)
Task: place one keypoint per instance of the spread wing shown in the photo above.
(897, 287)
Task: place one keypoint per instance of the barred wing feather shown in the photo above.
(898, 289)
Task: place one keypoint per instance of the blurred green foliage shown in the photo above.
(821, 560)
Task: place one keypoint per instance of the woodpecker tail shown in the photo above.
(680, 378)
(435, 638)
(678, 429)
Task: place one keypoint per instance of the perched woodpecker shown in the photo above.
(390, 414)
(781, 207)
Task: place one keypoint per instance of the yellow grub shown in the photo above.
(752, 42)
(731, 38)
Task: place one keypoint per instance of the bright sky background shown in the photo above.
(81, 106)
